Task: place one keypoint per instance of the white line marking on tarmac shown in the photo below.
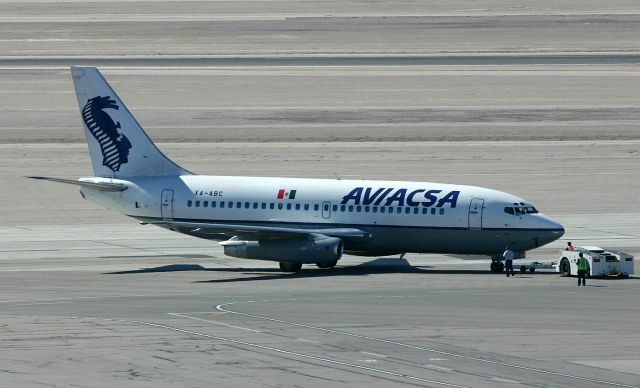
(498, 379)
(301, 355)
(34, 304)
(431, 366)
(221, 307)
(375, 354)
(306, 340)
(217, 323)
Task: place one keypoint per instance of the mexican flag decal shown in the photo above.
(286, 194)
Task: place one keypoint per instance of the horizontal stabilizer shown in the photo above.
(252, 232)
(103, 186)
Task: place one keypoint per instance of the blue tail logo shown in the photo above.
(114, 145)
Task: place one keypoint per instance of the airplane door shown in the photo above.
(475, 213)
(166, 205)
(326, 210)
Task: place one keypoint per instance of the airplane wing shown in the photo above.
(252, 232)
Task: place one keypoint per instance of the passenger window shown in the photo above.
(205, 204)
(358, 208)
(390, 210)
(297, 206)
(366, 209)
(189, 203)
(416, 210)
(508, 210)
(197, 203)
(374, 209)
(335, 208)
(433, 211)
(271, 205)
(425, 210)
(441, 211)
(326, 208)
(381, 209)
(399, 210)
(255, 205)
(264, 205)
(288, 206)
(239, 205)
(351, 208)
(407, 210)
(213, 203)
(246, 205)
(230, 205)
(306, 206)
(342, 208)
(221, 204)
(280, 206)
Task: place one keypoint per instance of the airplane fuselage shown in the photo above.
(419, 217)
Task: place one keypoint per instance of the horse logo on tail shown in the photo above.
(114, 145)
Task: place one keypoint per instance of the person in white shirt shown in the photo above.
(508, 261)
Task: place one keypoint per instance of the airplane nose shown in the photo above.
(554, 225)
(552, 229)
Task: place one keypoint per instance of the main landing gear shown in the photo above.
(295, 267)
(290, 267)
(327, 264)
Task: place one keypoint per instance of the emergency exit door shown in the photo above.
(166, 204)
(475, 213)
(326, 210)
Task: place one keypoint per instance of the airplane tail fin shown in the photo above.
(118, 145)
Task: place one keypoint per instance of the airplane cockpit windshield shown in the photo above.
(519, 209)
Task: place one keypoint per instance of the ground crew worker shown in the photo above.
(508, 261)
(570, 247)
(583, 267)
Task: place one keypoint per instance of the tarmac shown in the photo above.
(539, 100)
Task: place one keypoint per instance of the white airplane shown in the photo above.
(293, 221)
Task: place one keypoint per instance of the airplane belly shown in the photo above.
(443, 240)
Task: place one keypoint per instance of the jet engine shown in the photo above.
(317, 249)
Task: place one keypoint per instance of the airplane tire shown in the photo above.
(500, 266)
(290, 267)
(494, 266)
(523, 268)
(327, 264)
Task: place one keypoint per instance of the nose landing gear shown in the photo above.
(497, 266)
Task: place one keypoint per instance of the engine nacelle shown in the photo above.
(313, 250)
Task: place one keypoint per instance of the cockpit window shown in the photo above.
(520, 209)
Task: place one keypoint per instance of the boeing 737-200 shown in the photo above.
(293, 221)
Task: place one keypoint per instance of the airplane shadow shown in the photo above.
(164, 268)
(374, 267)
